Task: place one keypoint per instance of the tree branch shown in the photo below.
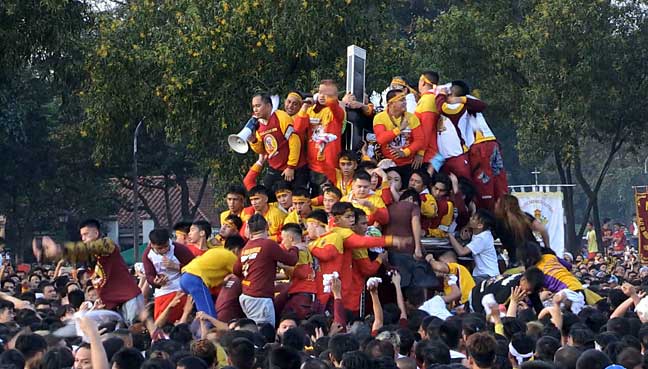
(203, 186)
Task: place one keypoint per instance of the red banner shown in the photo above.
(641, 200)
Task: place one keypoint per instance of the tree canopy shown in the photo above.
(564, 81)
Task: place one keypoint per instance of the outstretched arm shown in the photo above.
(98, 355)
(377, 309)
(396, 280)
(460, 249)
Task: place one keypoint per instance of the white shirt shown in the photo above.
(483, 251)
(448, 140)
(436, 307)
(456, 355)
(478, 124)
(173, 276)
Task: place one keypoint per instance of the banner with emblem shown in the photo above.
(641, 202)
(547, 208)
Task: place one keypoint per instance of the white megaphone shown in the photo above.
(238, 142)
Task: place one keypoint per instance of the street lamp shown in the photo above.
(135, 198)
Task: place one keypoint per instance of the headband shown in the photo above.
(295, 95)
(518, 356)
(331, 193)
(182, 233)
(283, 192)
(398, 97)
(300, 199)
(426, 80)
(399, 81)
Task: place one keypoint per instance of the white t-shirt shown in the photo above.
(483, 251)
(436, 307)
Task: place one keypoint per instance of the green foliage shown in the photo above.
(563, 79)
(45, 166)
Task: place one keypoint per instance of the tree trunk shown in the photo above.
(592, 192)
(147, 208)
(597, 222)
(167, 202)
(198, 200)
(565, 178)
(184, 197)
(127, 183)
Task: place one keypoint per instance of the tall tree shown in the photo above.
(47, 174)
(190, 68)
(561, 71)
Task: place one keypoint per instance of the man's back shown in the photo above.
(258, 264)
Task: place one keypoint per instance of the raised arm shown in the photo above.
(396, 280)
(98, 355)
(339, 314)
(76, 252)
(460, 249)
(437, 266)
(633, 300)
(288, 257)
(164, 315)
(377, 309)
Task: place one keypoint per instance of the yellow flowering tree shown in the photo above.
(190, 67)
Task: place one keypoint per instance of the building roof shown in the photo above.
(153, 194)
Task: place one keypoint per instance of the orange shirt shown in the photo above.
(321, 119)
(428, 114)
(329, 251)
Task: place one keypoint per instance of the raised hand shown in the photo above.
(517, 294)
(176, 299)
(396, 278)
(336, 288)
(88, 326)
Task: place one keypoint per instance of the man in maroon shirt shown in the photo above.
(117, 288)
(227, 302)
(257, 266)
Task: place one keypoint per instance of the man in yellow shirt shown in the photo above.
(447, 266)
(231, 227)
(208, 271)
(275, 217)
(592, 244)
(283, 194)
(427, 112)
(301, 208)
(235, 199)
(332, 195)
(362, 198)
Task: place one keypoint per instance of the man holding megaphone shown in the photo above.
(276, 138)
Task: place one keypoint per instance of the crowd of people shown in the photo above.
(382, 257)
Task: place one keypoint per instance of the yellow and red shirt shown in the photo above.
(278, 140)
(389, 135)
(428, 114)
